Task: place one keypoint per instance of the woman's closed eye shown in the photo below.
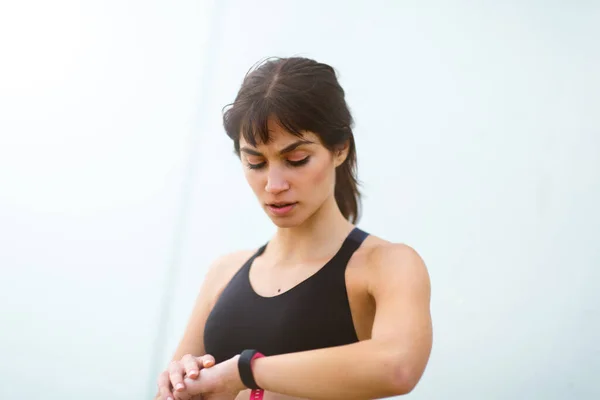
(255, 165)
(293, 163)
(297, 163)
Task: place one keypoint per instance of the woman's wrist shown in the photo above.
(235, 374)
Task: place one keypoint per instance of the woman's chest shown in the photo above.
(313, 292)
(326, 310)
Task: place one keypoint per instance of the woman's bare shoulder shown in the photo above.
(224, 267)
(233, 260)
(376, 251)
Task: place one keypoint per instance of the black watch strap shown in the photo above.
(245, 368)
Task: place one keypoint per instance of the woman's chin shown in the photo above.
(285, 222)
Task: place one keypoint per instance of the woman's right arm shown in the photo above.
(192, 341)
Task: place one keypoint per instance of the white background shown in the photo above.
(477, 128)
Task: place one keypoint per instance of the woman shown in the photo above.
(323, 310)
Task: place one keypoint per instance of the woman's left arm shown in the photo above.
(390, 363)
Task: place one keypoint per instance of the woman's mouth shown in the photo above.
(280, 209)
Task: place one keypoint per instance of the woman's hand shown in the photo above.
(172, 381)
(221, 381)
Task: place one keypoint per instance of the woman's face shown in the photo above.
(291, 176)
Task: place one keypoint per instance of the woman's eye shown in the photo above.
(255, 165)
(297, 163)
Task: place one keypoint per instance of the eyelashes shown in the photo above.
(291, 163)
(299, 162)
(255, 166)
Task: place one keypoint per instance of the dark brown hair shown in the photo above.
(301, 95)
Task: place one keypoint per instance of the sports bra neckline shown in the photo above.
(326, 266)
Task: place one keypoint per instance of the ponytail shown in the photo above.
(347, 194)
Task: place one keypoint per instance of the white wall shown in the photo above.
(98, 105)
(484, 118)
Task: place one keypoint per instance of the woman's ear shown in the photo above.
(340, 153)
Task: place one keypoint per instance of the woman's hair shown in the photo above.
(301, 95)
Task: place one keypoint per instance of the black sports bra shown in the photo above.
(314, 314)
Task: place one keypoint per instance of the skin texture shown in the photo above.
(388, 290)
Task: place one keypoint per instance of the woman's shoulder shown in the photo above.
(220, 272)
(225, 266)
(384, 268)
(377, 253)
(229, 260)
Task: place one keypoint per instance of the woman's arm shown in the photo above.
(192, 341)
(390, 363)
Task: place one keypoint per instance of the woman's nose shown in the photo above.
(276, 182)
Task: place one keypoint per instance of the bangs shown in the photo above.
(253, 123)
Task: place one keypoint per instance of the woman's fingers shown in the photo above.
(191, 365)
(164, 386)
(171, 382)
(183, 395)
(206, 361)
(176, 373)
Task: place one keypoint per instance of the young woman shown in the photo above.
(323, 310)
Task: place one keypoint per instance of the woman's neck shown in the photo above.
(318, 237)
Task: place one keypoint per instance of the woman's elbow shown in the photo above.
(403, 379)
